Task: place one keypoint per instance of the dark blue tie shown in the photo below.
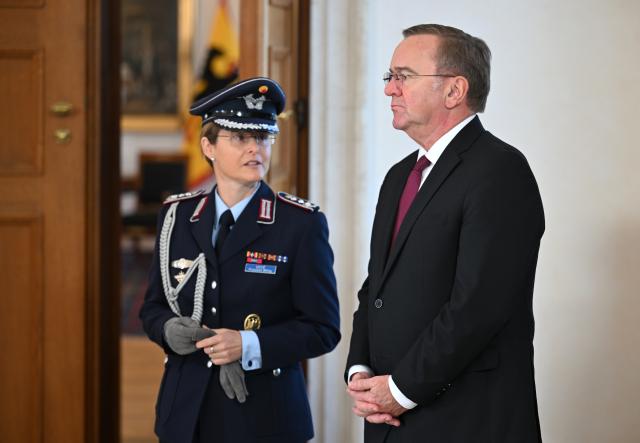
(224, 227)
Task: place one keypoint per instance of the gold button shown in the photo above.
(252, 322)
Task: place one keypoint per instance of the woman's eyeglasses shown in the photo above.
(242, 139)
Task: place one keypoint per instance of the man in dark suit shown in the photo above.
(442, 344)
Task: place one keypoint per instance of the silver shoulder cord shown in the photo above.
(171, 292)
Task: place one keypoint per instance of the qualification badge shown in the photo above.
(252, 322)
(181, 264)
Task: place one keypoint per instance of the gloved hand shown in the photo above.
(182, 333)
(232, 381)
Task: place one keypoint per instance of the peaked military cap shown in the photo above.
(250, 105)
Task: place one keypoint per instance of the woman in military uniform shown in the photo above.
(241, 288)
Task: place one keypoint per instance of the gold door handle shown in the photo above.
(62, 108)
(62, 135)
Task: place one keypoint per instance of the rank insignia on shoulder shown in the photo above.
(184, 196)
(297, 201)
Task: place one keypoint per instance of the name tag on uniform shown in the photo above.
(260, 269)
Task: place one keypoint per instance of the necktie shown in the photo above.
(410, 191)
(225, 223)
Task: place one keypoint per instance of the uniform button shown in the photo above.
(214, 311)
(209, 364)
(214, 284)
(277, 372)
(378, 303)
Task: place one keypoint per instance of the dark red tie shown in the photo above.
(410, 192)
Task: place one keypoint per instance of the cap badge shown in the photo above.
(254, 103)
(263, 89)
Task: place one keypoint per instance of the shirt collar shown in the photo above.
(436, 150)
(236, 210)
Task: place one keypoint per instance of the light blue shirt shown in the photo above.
(251, 353)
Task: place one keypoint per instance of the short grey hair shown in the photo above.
(461, 54)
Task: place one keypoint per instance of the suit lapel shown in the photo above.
(203, 228)
(246, 229)
(448, 161)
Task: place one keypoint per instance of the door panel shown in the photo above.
(21, 85)
(269, 41)
(22, 312)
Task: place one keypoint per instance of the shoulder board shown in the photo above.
(297, 201)
(184, 196)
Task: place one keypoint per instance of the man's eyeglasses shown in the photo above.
(400, 78)
(242, 139)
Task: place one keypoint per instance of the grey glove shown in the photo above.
(182, 333)
(232, 381)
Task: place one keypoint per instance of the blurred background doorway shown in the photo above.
(170, 56)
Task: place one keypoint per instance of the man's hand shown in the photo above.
(224, 347)
(373, 400)
(360, 407)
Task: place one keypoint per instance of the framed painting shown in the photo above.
(155, 69)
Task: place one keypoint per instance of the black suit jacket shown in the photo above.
(297, 304)
(453, 323)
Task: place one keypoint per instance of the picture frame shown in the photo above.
(155, 69)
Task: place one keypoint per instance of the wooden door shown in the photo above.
(46, 391)
(274, 43)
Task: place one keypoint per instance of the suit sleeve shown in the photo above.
(155, 310)
(359, 345)
(315, 327)
(498, 246)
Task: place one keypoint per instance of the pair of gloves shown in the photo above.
(182, 333)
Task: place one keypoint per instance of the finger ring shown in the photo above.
(211, 350)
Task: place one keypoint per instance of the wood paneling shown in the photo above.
(21, 80)
(103, 220)
(269, 46)
(283, 172)
(21, 3)
(21, 323)
(48, 340)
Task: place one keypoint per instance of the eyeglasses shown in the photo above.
(242, 139)
(400, 78)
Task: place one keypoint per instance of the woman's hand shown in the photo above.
(224, 347)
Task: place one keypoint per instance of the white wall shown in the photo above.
(565, 91)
